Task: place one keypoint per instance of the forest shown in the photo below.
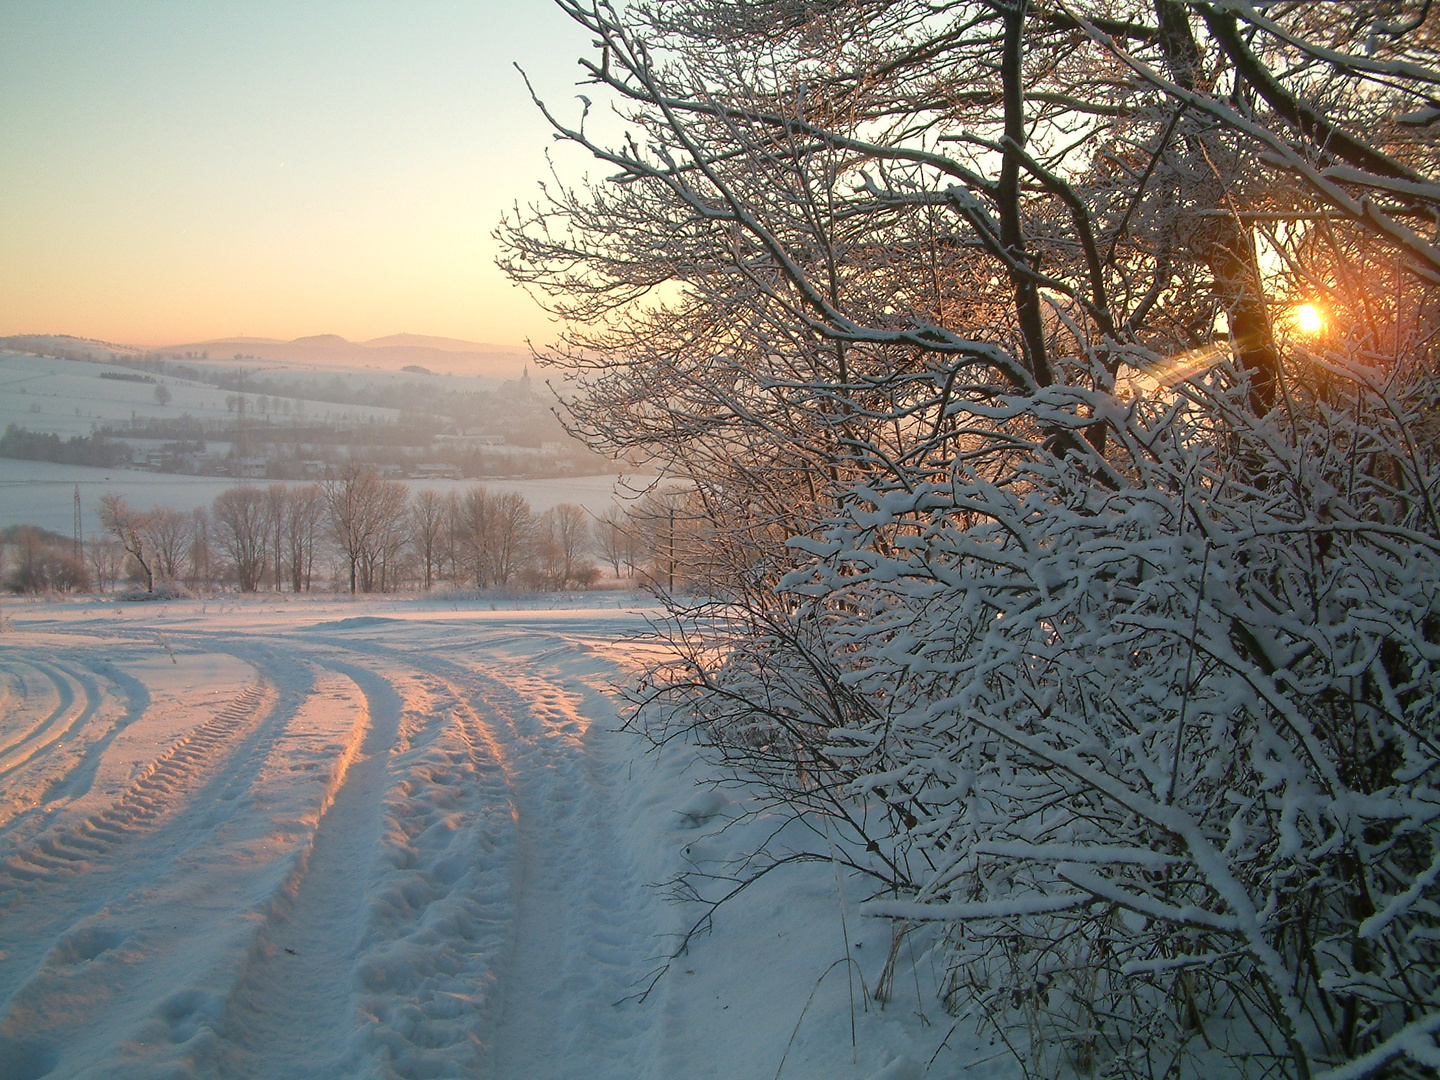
(1056, 387)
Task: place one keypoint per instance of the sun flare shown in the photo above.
(1308, 319)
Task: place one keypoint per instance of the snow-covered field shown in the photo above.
(322, 838)
(69, 397)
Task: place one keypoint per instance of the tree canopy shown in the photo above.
(1056, 384)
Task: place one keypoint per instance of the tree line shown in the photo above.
(26, 445)
(356, 532)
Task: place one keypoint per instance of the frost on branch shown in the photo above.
(1120, 685)
(1164, 757)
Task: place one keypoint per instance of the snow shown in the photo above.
(42, 493)
(318, 837)
(69, 397)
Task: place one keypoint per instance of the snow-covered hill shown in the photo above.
(74, 397)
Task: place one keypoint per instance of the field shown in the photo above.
(321, 838)
(70, 397)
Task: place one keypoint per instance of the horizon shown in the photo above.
(428, 341)
(177, 175)
(392, 353)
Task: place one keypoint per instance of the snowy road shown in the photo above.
(255, 845)
(329, 839)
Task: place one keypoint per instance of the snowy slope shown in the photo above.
(70, 397)
(330, 839)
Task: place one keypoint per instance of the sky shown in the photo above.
(174, 171)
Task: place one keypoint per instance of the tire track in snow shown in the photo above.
(579, 946)
(29, 688)
(78, 781)
(294, 1002)
(78, 700)
(442, 907)
(150, 797)
(441, 902)
(578, 941)
(79, 933)
(129, 846)
(383, 942)
(36, 796)
(462, 902)
(582, 945)
(10, 685)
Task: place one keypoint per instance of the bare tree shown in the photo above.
(199, 553)
(471, 530)
(385, 563)
(668, 531)
(167, 532)
(128, 527)
(367, 520)
(563, 540)
(427, 530)
(241, 522)
(509, 537)
(349, 499)
(105, 558)
(611, 538)
(304, 509)
(450, 549)
(277, 506)
(39, 567)
(495, 534)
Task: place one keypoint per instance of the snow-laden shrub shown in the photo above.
(167, 590)
(1157, 743)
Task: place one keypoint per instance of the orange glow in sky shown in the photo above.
(178, 172)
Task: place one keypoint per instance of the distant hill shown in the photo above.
(424, 341)
(67, 347)
(395, 352)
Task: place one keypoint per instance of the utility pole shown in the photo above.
(79, 539)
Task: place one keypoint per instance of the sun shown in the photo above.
(1308, 319)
